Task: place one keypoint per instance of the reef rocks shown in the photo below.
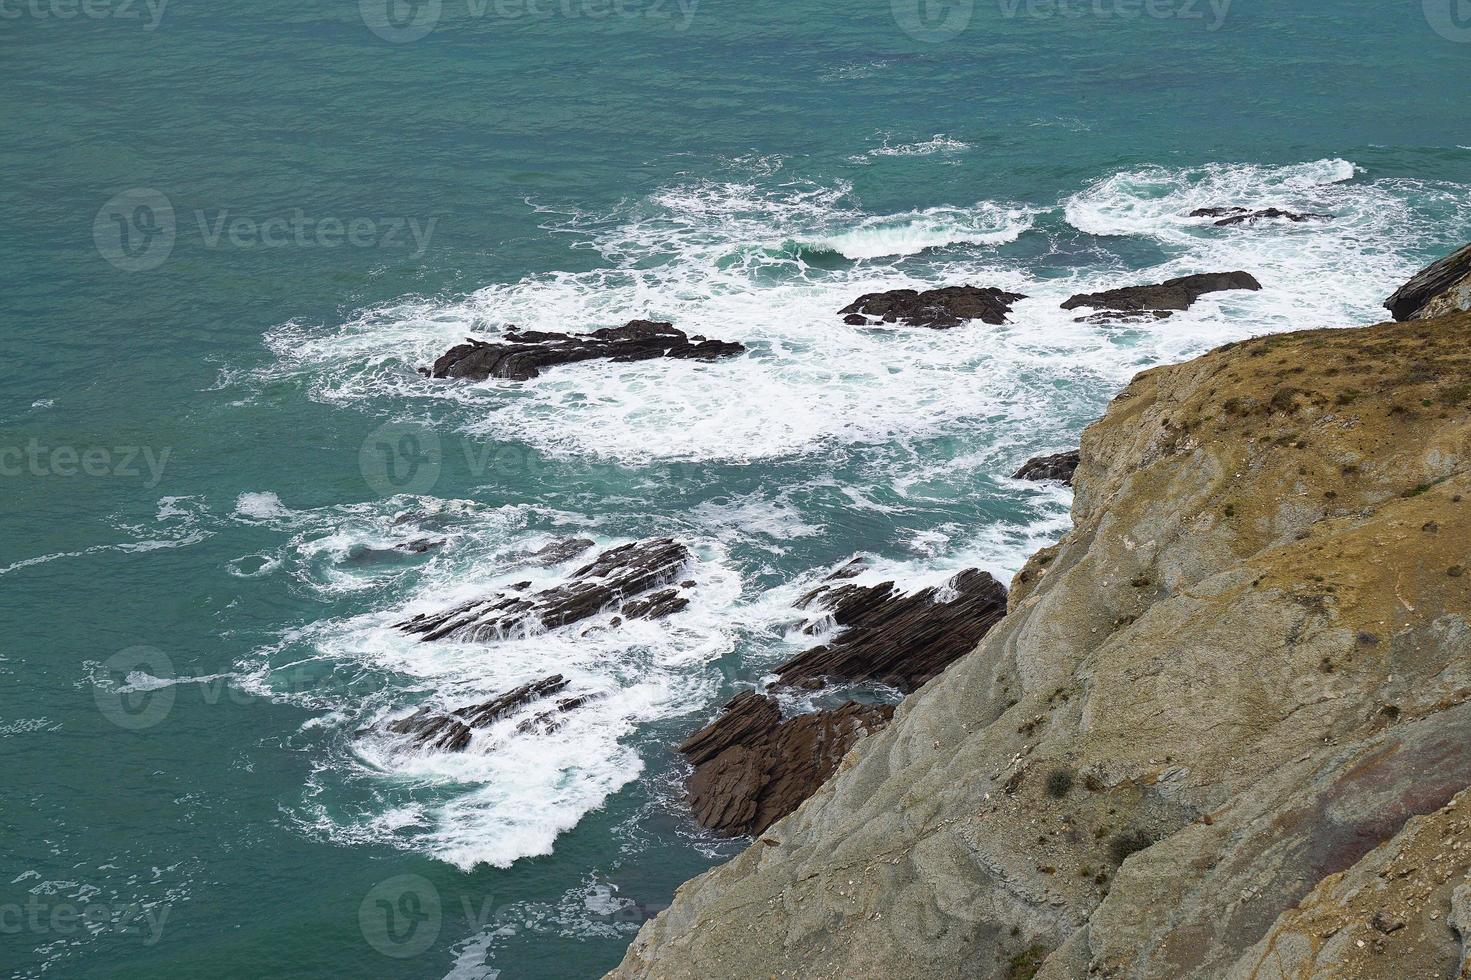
(752, 768)
(939, 309)
(1170, 296)
(1441, 288)
(451, 731)
(617, 576)
(1246, 216)
(897, 639)
(524, 353)
(1059, 467)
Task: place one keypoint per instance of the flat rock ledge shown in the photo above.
(1439, 289)
(1161, 300)
(753, 767)
(1059, 467)
(1231, 216)
(637, 580)
(523, 354)
(939, 309)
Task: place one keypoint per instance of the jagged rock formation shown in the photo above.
(897, 639)
(1204, 728)
(1441, 288)
(451, 731)
(1246, 216)
(940, 309)
(1059, 467)
(619, 578)
(524, 353)
(752, 768)
(1164, 298)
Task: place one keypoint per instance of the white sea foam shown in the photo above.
(939, 143)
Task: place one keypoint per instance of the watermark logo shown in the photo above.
(135, 230)
(932, 21)
(130, 695)
(401, 21)
(1451, 19)
(400, 457)
(401, 917)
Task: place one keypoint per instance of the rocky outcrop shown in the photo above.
(1059, 467)
(1202, 732)
(523, 354)
(1246, 216)
(752, 768)
(897, 639)
(1441, 288)
(451, 731)
(939, 309)
(617, 579)
(1166, 297)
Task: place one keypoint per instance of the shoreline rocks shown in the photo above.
(1167, 297)
(938, 309)
(752, 768)
(1059, 467)
(1441, 288)
(617, 579)
(451, 731)
(1231, 216)
(523, 354)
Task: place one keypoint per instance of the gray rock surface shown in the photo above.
(1215, 708)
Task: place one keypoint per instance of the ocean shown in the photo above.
(233, 233)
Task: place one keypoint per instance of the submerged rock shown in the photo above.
(1244, 216)
(616, 577)
(1173, 294)
(897, 639)
(556, 552)
(451, 731)
(949, 306)
(752, 768)
(1440, 288)
(1059, 467)
(524, 353)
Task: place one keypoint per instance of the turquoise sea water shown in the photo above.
(232, 232)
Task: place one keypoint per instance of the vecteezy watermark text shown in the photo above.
(137, 230)
(38, 917)
(124, 462)
(150, 11)
(1451, 19)
(933, 21)
(402, 21)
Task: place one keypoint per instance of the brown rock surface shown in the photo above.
(1441, 288)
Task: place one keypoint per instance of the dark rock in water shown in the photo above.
(1125, 316)
(524, 353)
(556, 552)
(554, 717)
(942, 308)
(657, 605)
(615, 577)
(752, 768)
(363, 554)
(1243, 216)
(852, 568)
(1173, 294)
(856, 320)
(451, 730)
(1441, 288)
(1059, 467)
(899, 640)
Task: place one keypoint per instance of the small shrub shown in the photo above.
(1059, 781)
(1121, 845)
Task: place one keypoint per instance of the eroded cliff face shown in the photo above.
(1196, 744)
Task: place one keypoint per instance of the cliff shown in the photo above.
(1220, 732)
